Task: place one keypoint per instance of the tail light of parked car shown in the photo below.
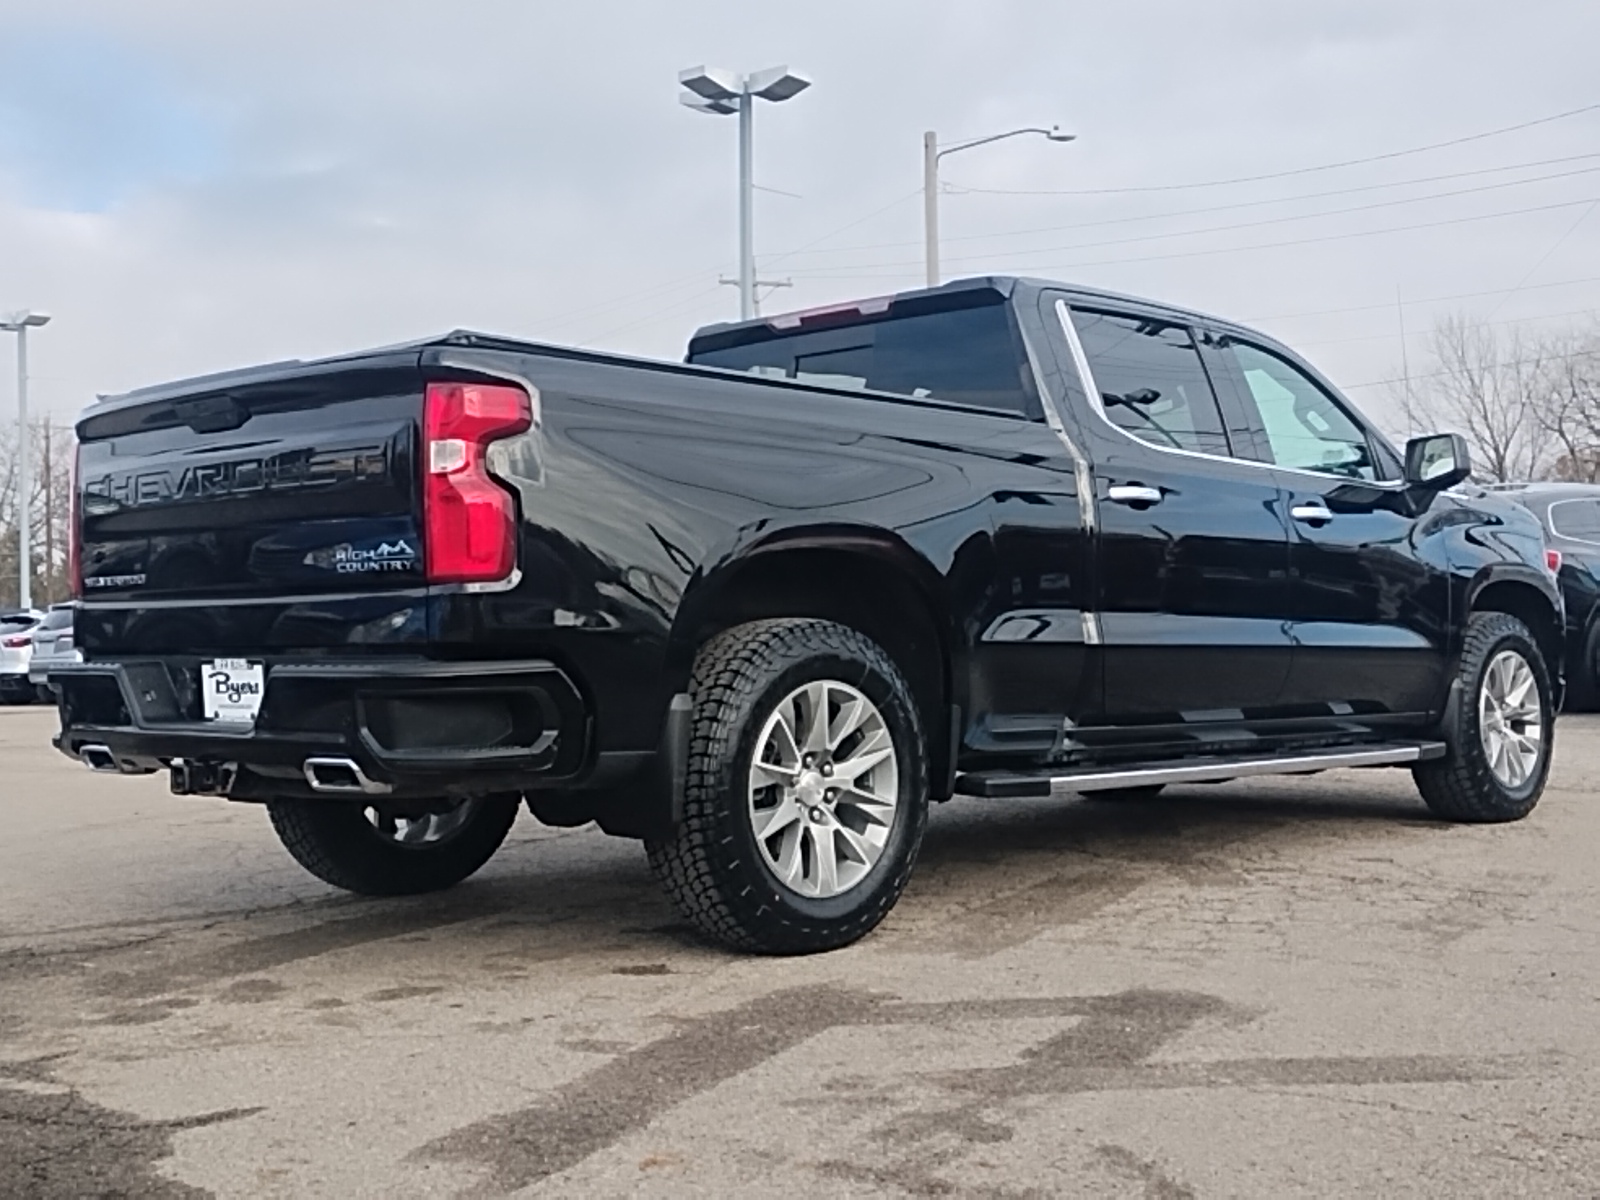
(1552, 561)
(16, 641)
(469, 520)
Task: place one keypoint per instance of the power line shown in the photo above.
(1518, 362)
(1237, 225)
(1333, 166)
(1306, 241)
(1378, 337)
(1554, 246)
(1210, 208)
(1329, 312)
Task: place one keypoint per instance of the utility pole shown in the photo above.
(931, 154)
(714, 90)
(772, 284)
(19, 324)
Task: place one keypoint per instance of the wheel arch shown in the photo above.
(1536, 604)
(868, 579)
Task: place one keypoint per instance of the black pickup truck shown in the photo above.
(1001, 538)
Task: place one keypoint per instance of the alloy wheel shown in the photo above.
(425, 831)
(1510, 719)
(824, 789)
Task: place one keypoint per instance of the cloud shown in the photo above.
(84, 120)
(192, 186)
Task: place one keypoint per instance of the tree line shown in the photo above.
(50, 448)
(1528, 403)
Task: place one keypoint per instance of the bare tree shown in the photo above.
(1568, 404)
(1529, 405)
(51, 450)
(1486, 385)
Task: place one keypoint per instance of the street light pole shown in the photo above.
(931, 154)
(747, 208)
(930, 204)
(714, 90)
(19, 324)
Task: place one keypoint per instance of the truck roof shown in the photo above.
(728, 332)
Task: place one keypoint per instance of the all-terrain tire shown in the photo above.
(336, 842)
(1462, 786)
(712, 867)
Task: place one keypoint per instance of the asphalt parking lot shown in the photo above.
(1273, 988)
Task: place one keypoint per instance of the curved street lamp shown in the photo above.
(931, 154)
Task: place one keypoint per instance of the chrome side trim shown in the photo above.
(1081, 361)
(1082, 472)
(1217, 772)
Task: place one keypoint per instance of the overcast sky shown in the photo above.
(189, 186)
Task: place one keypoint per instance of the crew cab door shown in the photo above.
(1192, 556)
(1370, 596)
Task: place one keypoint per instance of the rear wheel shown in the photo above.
(807, 789)
(1498, 727)
(379, 852)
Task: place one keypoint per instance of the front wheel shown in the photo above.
(379, 853)
(1498, 726)
(807, 789)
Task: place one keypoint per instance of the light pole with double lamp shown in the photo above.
(931, 154)
(713, 90)
(19, 323)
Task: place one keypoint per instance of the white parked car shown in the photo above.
(53, 646)
(16, 652)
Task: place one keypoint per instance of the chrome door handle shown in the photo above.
(1133, 493)
(1315, 513)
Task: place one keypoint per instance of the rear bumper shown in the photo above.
(414, 727)
(42, 665)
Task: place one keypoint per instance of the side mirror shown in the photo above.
(1437, 461)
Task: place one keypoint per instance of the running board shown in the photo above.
(1009, 784)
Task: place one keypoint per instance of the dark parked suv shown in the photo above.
(998, 538)
(1570, 514)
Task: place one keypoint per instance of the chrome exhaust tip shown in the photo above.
(342, 776)
(99, 758)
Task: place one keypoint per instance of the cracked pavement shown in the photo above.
(1271, 988)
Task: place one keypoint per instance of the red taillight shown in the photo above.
(16, 641)
(1552, 561)
(75, 528)
(470, 530)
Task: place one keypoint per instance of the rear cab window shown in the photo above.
(1575, 520)
(961, 348)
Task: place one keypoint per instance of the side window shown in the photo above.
(1576, 519)
(1306, 428)
(1152, 383)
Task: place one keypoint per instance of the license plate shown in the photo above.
(231, 689)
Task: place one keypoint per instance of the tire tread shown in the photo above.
(694, 866)
(1461, 786)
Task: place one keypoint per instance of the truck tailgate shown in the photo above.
(274, 513)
